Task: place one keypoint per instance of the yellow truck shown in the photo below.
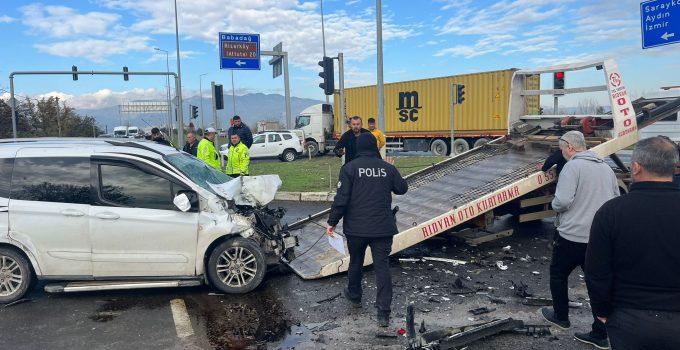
(418, 113)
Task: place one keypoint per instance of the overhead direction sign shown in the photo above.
(660, 23)
(239, 51)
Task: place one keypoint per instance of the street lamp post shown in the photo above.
(180, 117)
(167, 77)
(200, 90)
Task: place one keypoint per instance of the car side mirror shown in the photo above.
(181, 201)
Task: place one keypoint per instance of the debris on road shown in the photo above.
(538, 301)
(481, 310)
(331, 298)
(452, 261)
(501, 265)
(520, 289)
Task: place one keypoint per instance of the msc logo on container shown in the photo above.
(408, 106)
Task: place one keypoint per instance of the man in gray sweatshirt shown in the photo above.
(585, 183)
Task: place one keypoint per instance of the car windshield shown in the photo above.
(197, 171)
(302, 121)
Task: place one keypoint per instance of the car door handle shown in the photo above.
(108, 216)
(72, 212)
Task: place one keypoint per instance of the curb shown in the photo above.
(305, 196)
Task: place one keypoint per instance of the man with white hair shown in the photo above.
(585, 183)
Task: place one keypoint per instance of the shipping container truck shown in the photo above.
(467, 190)
(418, 113)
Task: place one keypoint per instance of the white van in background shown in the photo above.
(134, 132)
(120, 131)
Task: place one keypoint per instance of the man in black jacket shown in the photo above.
(347, 145)
(633, 256)
(364, 201)
(158, 137)
(191, 146)
(242, 130)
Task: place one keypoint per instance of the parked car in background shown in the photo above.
(283, 144)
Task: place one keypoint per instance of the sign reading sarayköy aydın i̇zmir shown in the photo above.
(659, 22)
(239, 51)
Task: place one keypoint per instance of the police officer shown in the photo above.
(238, 158)
(206, 149)
(363, 201)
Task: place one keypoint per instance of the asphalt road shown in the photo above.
(287, 312)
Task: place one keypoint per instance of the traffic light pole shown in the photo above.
(555, 106)
(286, 84)
(454, 89)
(12, 100)
(341, 81)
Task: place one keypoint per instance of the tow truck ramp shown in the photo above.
(457, 190)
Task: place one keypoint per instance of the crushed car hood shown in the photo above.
(249, 190)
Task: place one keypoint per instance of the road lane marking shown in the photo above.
(181, 318)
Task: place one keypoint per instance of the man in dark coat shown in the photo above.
(347, 145)
(363, 201)
(242, 130)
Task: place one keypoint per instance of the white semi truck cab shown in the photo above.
(317, 123)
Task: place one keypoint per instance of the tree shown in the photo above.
(45, 118)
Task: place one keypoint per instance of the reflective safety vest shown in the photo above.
(238, 160)
(207, 153)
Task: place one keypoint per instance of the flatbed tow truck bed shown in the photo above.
(456, 190)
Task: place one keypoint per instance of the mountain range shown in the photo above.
(250, 107)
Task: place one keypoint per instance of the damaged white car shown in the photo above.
(102, 215)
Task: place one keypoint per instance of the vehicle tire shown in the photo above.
(16, 276)
(481, 142)
(312, 147)
(460, 146)
(236, 266)
(288, 155)
(439, 147)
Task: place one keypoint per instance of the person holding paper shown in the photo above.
(364, 203)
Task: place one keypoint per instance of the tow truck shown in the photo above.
(467, 188)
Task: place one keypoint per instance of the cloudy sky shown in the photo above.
(422, 38)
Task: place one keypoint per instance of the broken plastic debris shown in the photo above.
(535, 272)
(506, 248)
(401, 331)
(452, 261)
(501, 265)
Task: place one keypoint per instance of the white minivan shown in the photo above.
(117, 214)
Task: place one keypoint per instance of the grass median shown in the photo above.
(320, 174)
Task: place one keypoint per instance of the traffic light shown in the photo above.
(74, 69)
(219, 97)
(125, 76)
(194, 112)
(328, 76)
(460, 93)
(558, 80)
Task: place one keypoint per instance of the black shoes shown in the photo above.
(383, 320)
(549, 315)
(356, 303)
(592, 339)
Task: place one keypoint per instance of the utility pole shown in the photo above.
(233, 93)
(381, 97)
(200, 90)
(58, 122)
(323, 41)
(180, 117)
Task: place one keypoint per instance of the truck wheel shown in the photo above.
(16, 276)
(288, 155)
(236, 266)
(480, 142)
(439, 147)
(460, 146)
(312, 147)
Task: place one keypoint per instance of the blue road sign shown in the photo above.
(660, 22)
(240, 51)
